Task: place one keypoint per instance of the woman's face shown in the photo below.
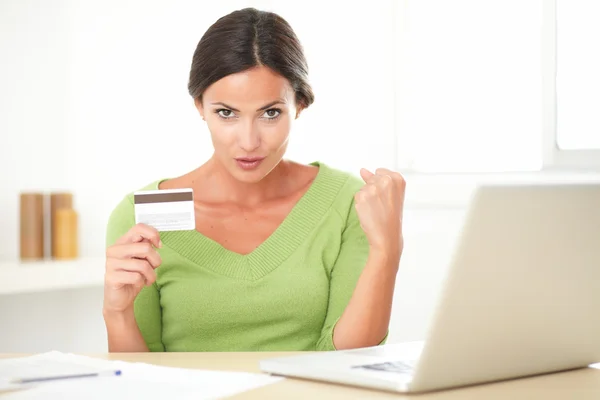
(249, 115)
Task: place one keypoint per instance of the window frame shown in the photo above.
(553, 156)
(452, 190)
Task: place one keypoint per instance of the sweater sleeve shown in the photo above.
(147, 310)
(351, 260)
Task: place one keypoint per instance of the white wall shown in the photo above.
(93, 100)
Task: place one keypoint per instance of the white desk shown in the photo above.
(572, 385)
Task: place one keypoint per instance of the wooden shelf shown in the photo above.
(40, 276)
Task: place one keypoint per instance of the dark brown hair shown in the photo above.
(245, 39)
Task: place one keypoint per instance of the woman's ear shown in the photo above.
(299, 109)
(199, 107)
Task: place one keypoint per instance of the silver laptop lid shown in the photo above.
(522, 294)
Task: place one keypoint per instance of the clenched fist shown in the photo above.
(379, 205)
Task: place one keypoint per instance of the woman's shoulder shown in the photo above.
(347, 181)
(340, 185)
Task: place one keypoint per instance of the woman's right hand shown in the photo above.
(130, 265)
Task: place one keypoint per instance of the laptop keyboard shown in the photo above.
(401, 367)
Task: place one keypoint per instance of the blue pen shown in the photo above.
(53, 378)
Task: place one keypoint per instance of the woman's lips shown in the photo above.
(249, 163)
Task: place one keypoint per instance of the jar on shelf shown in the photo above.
(65, 242)
(31, 227)
(58, 200)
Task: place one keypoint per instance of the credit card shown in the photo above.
(165, 209)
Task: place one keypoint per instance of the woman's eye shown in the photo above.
(225, 113)
(272, 113)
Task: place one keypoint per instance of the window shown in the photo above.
(497, 86)
(578, 75)
(469, 85)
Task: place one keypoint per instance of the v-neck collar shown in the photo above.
(289, 235)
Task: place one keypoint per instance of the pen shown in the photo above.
(52, 378)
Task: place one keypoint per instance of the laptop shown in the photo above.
(521, 297)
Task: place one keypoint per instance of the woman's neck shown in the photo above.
(213, 183)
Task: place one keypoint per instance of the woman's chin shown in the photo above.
(245, 175)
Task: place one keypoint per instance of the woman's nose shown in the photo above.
(249, 137)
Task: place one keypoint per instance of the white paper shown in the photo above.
(47, 365)
(138, 380)
(7, 387)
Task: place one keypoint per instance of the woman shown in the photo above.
(284, 256)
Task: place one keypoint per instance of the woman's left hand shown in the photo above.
(379, 205)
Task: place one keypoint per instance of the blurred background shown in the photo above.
(94, 102)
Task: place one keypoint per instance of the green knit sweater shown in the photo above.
(286, 295)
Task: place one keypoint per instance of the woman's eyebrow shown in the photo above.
(271, 104)
(225, 105)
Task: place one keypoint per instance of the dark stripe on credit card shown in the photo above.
(163, 197)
